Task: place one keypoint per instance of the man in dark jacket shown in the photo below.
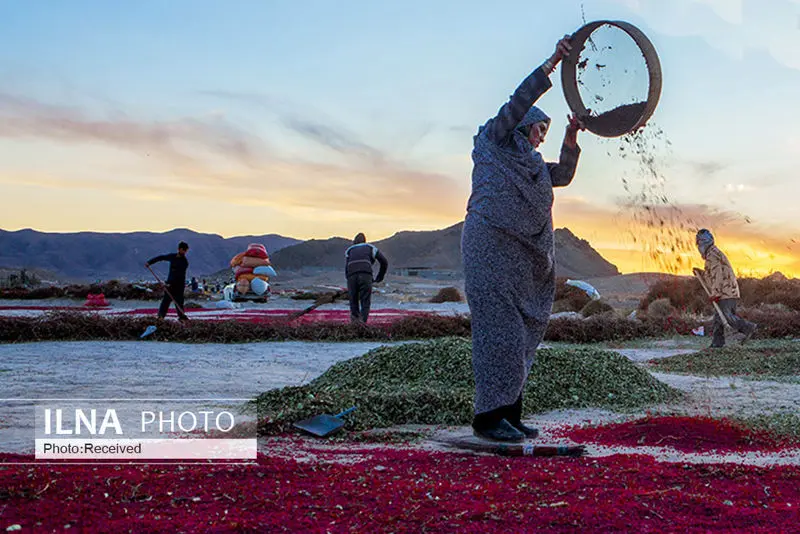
(358, 268)
(176, 280)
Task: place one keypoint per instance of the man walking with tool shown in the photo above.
(359, 259)
(176, 280)
(719, 281)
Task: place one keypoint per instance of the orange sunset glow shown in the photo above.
(251, 146)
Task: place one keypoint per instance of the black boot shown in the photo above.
(748, 331)
(514, 417)
(491, 425)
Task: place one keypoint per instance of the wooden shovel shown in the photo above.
(696, 273)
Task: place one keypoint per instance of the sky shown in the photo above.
(314, 119)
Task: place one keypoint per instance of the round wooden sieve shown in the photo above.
(569, 81)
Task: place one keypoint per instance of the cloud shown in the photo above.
(177, 142)
(333, 138)
(367, 180)
(706, 169)
(386, 190)
(265, 101)
(738, 188)
(314, 125)
(731, 26)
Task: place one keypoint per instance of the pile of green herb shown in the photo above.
(762, 359)
(432, 383)
(783, 425)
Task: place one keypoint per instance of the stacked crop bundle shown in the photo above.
(252, 270)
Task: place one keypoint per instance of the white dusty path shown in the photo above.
(150, 370)
(734, 395)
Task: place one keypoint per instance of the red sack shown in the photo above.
(242, 270)
(256, 252)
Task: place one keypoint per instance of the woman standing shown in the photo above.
(507, 249)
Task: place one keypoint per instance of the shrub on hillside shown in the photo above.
(596, 307)
(685, 294)
(608, 327)
(770, 290)
(773, 324)
(116, 290)
(563, 305)
(660, 308)
(21, 293)
(447, 294)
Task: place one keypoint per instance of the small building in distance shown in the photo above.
(427, 272)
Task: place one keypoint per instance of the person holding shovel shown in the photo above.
(359, 259)
(723, 289)
(176, 280)
(508, 251)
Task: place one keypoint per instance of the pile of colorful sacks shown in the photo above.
(252, 270)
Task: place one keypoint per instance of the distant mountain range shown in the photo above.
(89, 255)
(439, 249)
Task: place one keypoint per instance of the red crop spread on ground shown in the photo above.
(687, 434)
(401, 490)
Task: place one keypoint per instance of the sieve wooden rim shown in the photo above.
(569, 74)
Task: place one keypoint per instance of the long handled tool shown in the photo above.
(327, 298)
(696, 273)
(515, 449)
(177, 306)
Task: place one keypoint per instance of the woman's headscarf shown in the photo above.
(704, 241)
(533, 116)
(523, 159)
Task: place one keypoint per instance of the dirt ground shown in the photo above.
(153, 369)
(96, 369)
